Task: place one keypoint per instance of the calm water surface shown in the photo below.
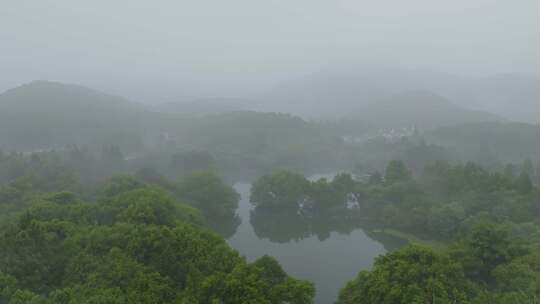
(329, 263)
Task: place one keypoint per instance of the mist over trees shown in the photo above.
(270, 152)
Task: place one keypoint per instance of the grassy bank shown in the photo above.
(413, 239)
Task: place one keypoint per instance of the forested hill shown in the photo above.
(45, 114)
(339, 90)
(421, 108)
(501, 141)
(204, 106)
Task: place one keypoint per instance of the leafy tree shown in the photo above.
(520, 275)
(410, 275)
(444, 221)
(8, 286)
(484, 248)
(323, 195)
(207, 192)
(528, 167)
(343, 182)
(282, 189)
(396, 172)
(153, 177)
(147, 205)
(132, 247)
(120, 184)
(523, 183)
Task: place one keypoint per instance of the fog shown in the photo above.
(277, 151)
(180, 50)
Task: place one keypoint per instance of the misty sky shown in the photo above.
(164, 50)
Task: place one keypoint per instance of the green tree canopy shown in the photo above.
(136, 246)
(207, 192)
(282, 189)
(396, 171)
(523, 183)
(410, 275)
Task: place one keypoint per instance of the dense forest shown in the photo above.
(270, 152)
(97, 209)
(132, 242)
(486, 223)
(143, 238)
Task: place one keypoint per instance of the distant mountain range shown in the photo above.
(49, 114)
(513, 96)
(490, 140)
(204, 106)
(336, 92)
(422, 109)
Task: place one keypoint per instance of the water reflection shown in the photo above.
(284, 227)
(328, 249)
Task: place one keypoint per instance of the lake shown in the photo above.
(312, 251)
